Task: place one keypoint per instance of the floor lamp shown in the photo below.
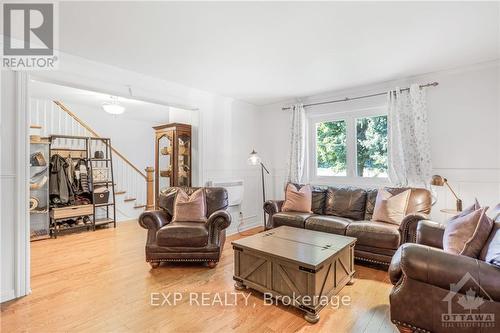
(254, 159)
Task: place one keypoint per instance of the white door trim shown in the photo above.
(22, 227)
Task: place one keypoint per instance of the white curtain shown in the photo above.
(297, 144)
(409, 148)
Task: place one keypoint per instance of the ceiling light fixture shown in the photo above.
(113, 107)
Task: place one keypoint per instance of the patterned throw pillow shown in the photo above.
(467, 234)
(191, 208)
(391, 208)
(297, 200)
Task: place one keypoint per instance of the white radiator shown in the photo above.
(234, 190)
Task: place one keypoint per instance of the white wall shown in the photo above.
(464, 115)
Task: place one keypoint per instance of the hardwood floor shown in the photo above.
(99, 282)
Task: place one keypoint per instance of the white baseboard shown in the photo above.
(7, 295)
(233, 230)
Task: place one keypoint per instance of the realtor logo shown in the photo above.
(469, 303)
(29, 36)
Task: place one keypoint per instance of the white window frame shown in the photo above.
(349, 116)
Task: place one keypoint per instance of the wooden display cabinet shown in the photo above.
(172, 156)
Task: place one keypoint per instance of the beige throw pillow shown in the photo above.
(297, 200)
(466, 235)
(190, 208)
(391, 208)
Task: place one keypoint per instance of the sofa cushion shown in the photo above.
(332, 224)
(190, 208)
(467, 235)
(391, 208)
(346, 201)
(374, 234)
(318, 199)
(292, 219)
(491, 250)
(183, 234)
(371, 197)
(297, 198)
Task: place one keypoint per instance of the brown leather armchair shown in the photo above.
(186, 241)
(435, 291)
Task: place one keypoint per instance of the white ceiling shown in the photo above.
(267, 52)
(134, 109)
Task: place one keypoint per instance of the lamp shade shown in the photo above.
(253, 158)
(438, 180)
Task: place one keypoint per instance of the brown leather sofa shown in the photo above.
(423, 275)
(348, 211)
(186, 241)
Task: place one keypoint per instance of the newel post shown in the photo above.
(150, 188)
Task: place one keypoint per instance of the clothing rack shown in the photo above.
(346, 99)
(84, 149)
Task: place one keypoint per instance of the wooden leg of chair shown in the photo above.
(154, 264)
(403, 329)
(212, 264)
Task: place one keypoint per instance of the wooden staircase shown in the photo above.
(136, 187)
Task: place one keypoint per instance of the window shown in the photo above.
(371, 146)
(350, 145)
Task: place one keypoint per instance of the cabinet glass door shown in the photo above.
(184, 163)
(165, 154)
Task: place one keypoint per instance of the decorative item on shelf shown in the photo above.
(254, 159)
(438, 180)
(37, 159)
(100, 174)
(33, 203)
(101, 195)
(166, 150)
(38, 185)
(184, 172)
(99, 154)
(183, 150)
(165, 173)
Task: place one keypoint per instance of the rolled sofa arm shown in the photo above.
(272, 207)
(217, 221)
(430, 233)
(408, 227)
(441, 269)
(153, 219)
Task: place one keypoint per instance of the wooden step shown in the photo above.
(129, 199)
(139, 206)
(35, 126)
(120, 192)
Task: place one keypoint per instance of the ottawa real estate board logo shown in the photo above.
(467, 302)
(30, 36)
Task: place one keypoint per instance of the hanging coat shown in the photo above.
(60, 189)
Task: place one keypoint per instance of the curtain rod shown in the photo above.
(432, 84)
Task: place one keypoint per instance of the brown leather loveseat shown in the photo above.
(186, 241)
(348, 211)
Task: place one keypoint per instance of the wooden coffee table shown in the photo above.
(305, 266)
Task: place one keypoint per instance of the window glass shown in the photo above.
(371, 146)
(331, 148)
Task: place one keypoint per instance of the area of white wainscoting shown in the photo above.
(464, 117)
